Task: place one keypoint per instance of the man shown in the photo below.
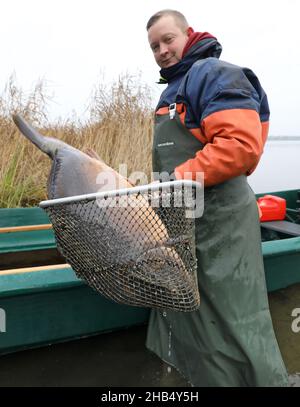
(218, 128)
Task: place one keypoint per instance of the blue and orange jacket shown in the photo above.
(222, 105)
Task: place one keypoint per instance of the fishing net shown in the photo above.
(134, 246)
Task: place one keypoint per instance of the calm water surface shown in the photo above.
(279, 167)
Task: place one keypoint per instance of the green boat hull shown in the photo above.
(50, 306)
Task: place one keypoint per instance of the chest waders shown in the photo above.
(229, 340)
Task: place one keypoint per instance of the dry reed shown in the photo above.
(119, 130)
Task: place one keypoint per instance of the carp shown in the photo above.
(123, 251)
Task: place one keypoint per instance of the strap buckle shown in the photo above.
(172, 110)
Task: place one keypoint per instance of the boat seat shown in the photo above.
(282, 226)
(26, 241)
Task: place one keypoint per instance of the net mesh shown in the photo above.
(135, 249)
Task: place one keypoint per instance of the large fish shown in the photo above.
(123, 251)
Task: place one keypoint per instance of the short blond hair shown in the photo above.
(179, 17)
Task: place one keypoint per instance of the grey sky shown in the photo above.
(71, 43)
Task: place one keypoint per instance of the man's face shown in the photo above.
(167, 41)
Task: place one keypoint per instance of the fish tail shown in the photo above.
(48, 145)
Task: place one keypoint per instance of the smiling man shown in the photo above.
(167, 40)
(213, 119)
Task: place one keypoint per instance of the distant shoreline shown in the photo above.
(283, 138)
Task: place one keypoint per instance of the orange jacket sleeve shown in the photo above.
(234, 144)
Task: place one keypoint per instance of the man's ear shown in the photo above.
(189, 31)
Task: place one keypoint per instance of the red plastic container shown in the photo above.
(272, 208)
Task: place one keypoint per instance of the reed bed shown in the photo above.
(119, 130)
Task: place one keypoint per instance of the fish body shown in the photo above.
(120, 250)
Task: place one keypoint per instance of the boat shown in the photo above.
(43, 302)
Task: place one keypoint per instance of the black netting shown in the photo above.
(136, 249)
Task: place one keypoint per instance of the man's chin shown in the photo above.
(168, 64)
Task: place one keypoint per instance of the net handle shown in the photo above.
(159, 186)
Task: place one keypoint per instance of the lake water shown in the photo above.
(279, 167)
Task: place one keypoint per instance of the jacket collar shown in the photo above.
(208, 47)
